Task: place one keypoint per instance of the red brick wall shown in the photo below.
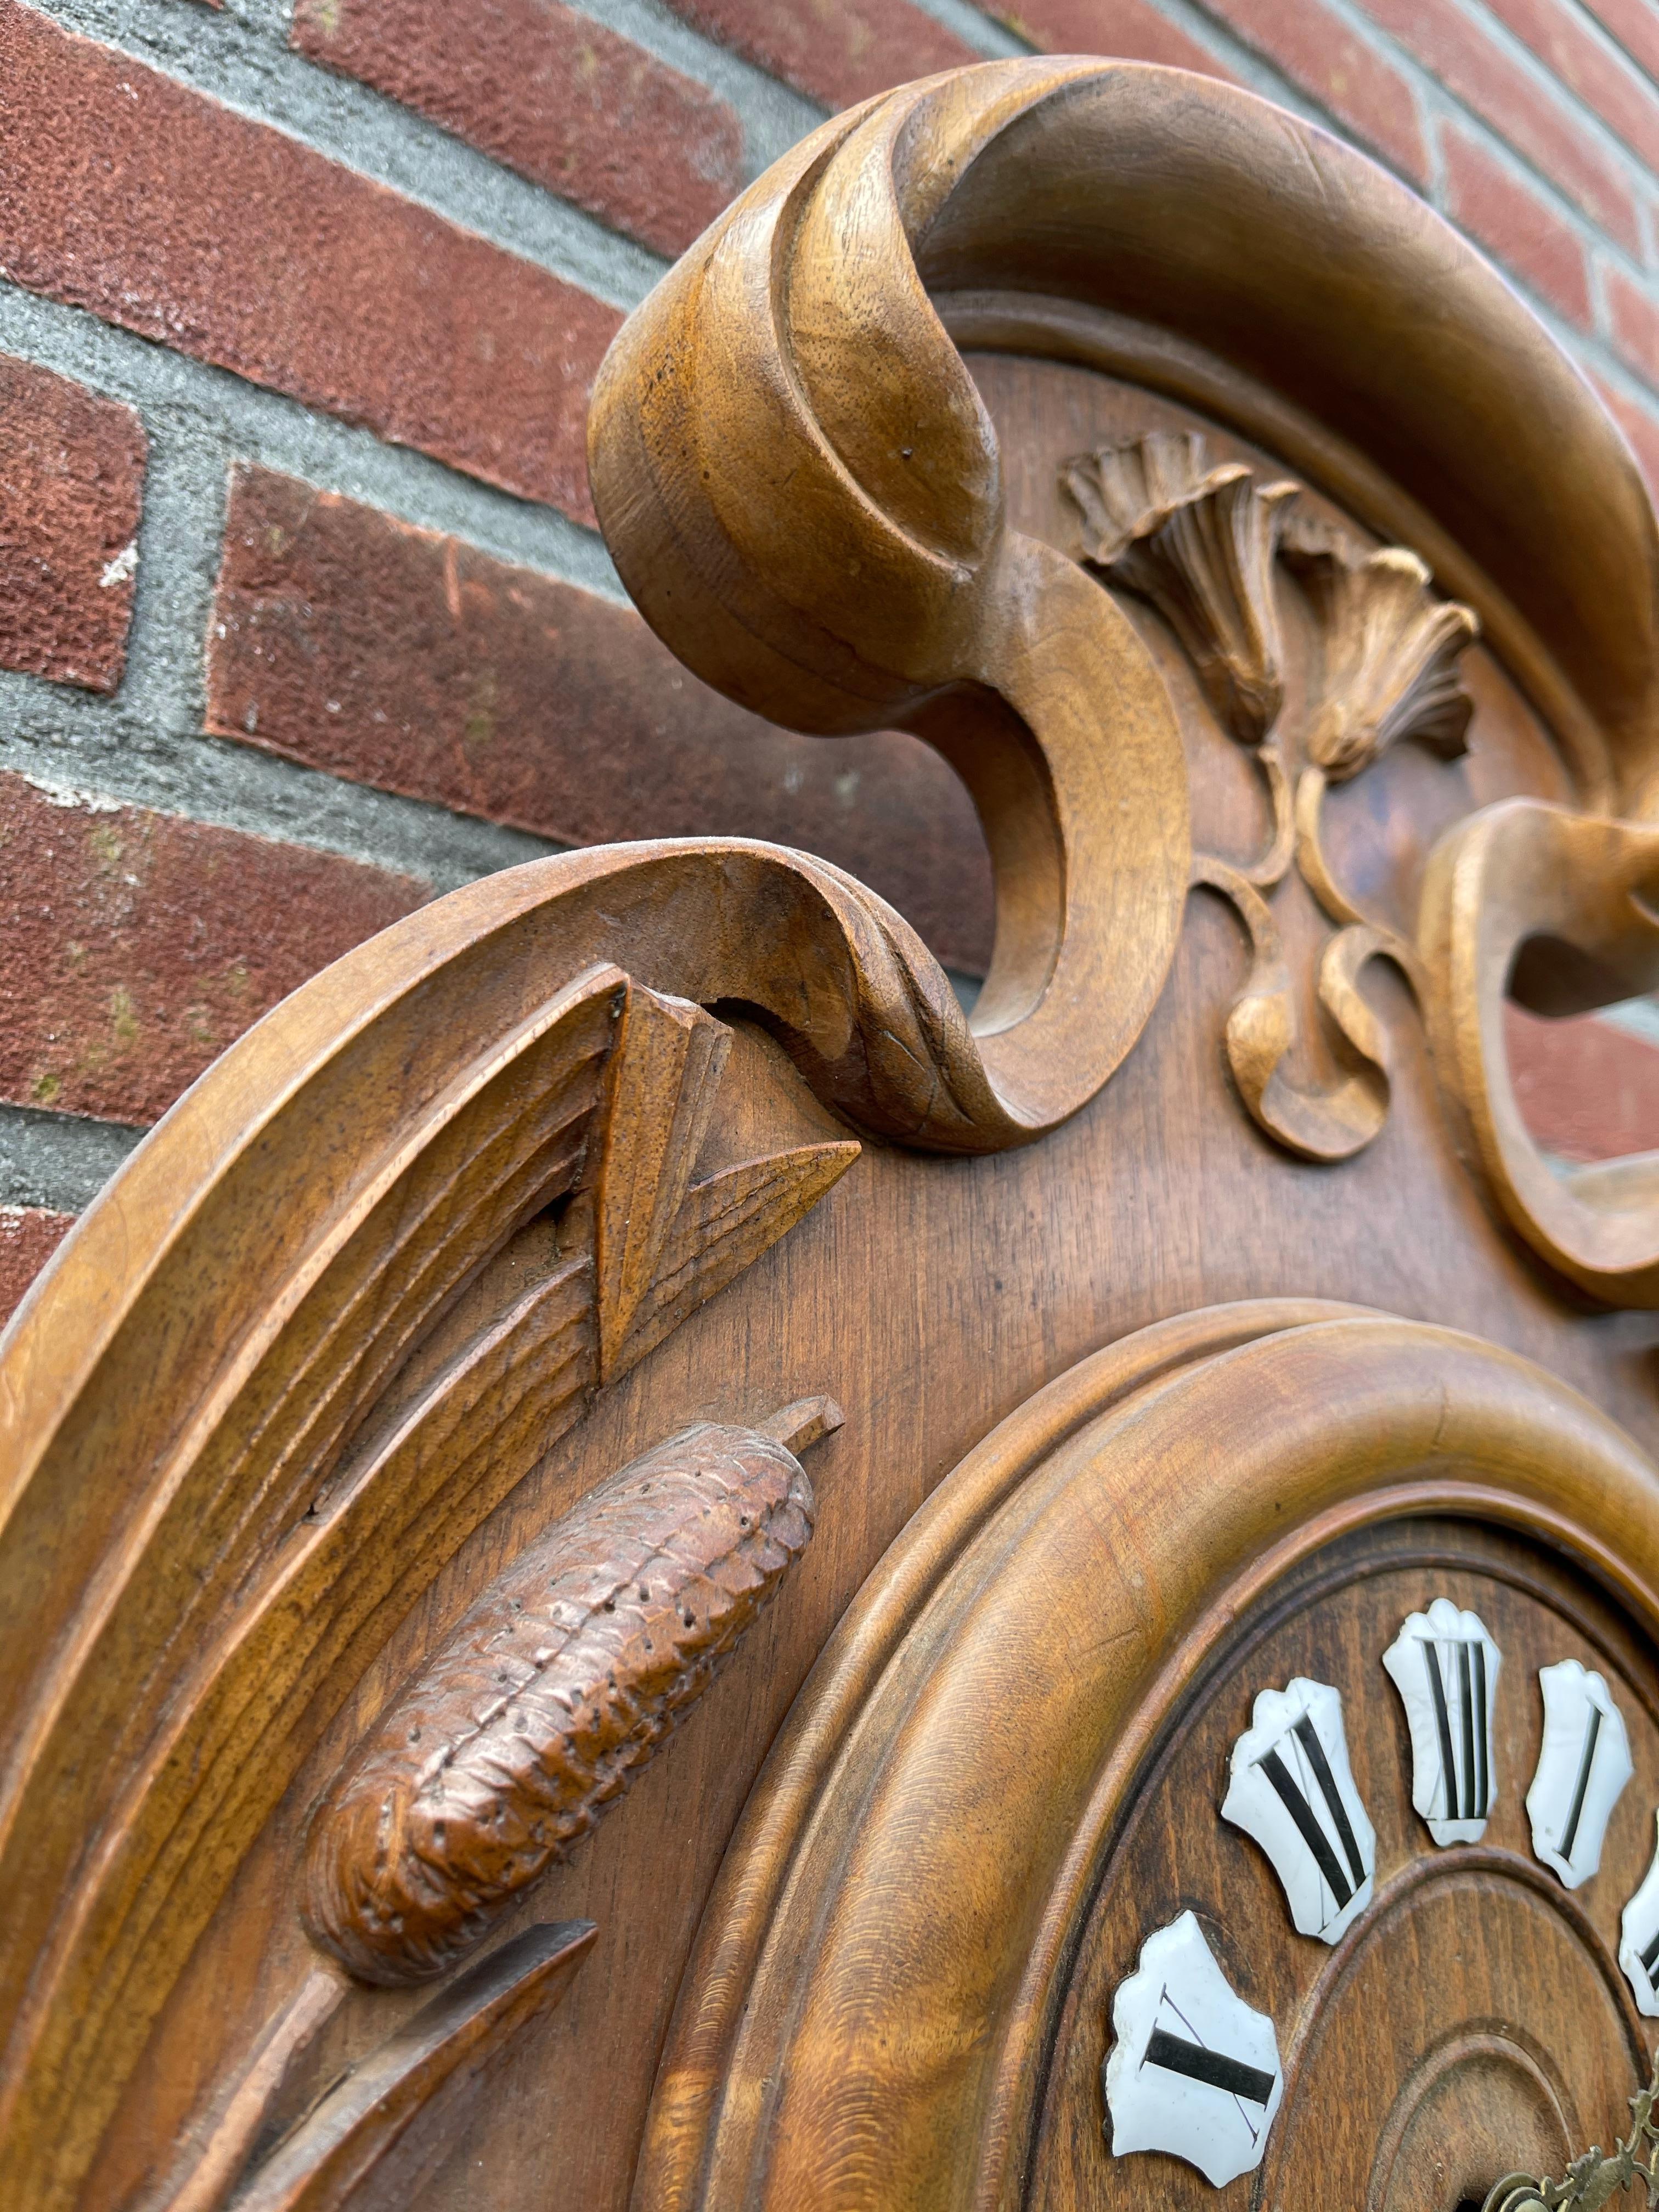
(302, 616)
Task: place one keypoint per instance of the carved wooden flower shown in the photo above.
(1198, 542)
(1391, 651)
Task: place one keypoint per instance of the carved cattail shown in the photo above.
(551, 1692)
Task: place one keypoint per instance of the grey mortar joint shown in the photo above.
(241, 57)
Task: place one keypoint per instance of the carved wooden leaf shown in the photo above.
(378, 2134)
(662, 1244)
(664, 1079)
(554, 1689)
(259, 1543)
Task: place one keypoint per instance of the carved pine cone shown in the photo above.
(549, 1695)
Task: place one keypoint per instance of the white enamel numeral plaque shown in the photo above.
(1291, 1789)
(1638, 1942)
(1583, 1766)
(1193, 2071)
(1444, 1665)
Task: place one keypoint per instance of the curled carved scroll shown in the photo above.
(803, 492)
(558, 1684)
(1569, 904)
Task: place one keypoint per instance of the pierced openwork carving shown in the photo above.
(557, 1687)
(1198, 542)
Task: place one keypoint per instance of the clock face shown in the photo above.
(1381, 1922)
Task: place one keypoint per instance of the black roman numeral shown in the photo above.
(1466, 1786)
(1650, 1958)
(1176, 2055)
(1592, 1732)
(1290, 1794)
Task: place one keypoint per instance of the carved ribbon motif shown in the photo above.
(1200, 543)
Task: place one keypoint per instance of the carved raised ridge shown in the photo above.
(557, 1687)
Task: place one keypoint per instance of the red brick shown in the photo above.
(127, 193)
(1635, 324)
(834, 51)
(1469, 62)
(72, 473)
(1343, 72)
(552, 93)
(1129, 30)
(1639, 424)
(1587, 1090)
(1557, 34)
(356, 644)
(1635, 24)
(138, 945)
(29, 1237)
(1514, 224)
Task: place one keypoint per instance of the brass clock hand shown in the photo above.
(1591, 2181)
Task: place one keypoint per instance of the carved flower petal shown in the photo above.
(1198, 542)
(1391, 652)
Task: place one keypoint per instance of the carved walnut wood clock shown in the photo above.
(643, 1565)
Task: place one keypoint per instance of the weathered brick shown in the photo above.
(1515, 223)
(1623, 99)
(356, 643)
(1635, 24)
(554, 96)
(1346, 73)
(1635, 324)
(29, 1237)
(127, 193)
(1639, 424)
(138, 945)
(1451, 42)
(836, 53)
(1587, 1090)
(1132, 30)
(72, 479)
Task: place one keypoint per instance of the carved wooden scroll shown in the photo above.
(1568, 905)
(802, 488)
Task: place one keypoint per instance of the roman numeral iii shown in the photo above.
(1445, 1666)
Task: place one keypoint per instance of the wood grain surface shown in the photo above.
(641, 1138)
